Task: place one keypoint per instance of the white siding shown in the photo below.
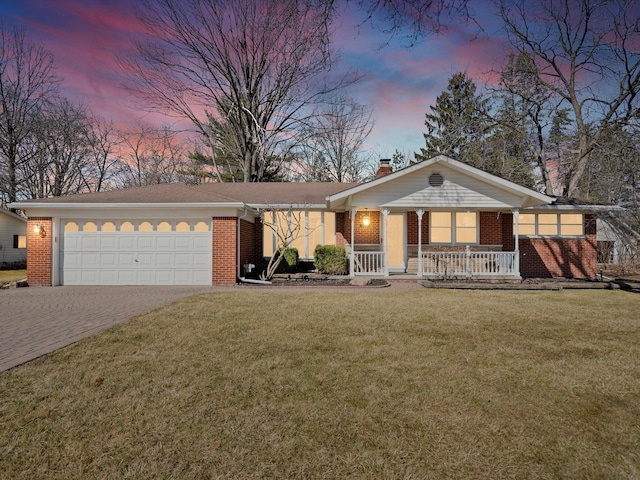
(458, 191)
(10, 226)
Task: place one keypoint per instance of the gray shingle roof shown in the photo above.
(301, 193)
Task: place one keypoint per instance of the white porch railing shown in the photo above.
(469, 263)
(369, 263)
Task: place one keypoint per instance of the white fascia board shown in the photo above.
(287, 206)
(576, 208)
(124, 210)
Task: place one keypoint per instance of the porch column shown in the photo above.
(516, 216)
(385, 236)
(420, 213)
(352, 263)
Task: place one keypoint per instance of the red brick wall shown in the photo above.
(508, 240)
(39, 253)
(561, 257)
(366, 235)
(224, 257)
(343, 229)
(490, 228)
(412, 228)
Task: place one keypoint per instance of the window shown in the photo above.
(466, 227)
(440, 227)
(306, 229)
(571, 224)
(547, 224)
(550, 224)
(19, 241)
(454, 227)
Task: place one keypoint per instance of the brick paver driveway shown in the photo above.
(36, 321)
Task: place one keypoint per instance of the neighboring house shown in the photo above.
(617, 240)
(13, 239)
(438, 218)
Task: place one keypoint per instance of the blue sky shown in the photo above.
(398, 83)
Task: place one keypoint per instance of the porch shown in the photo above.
(466, 263)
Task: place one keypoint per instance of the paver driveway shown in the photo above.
(36, 321)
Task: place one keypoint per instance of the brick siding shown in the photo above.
(224, 251)
(491, 228)
(362, 234)
(412, 228)
(561, 257)
(39, 252)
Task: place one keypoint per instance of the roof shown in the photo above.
(237, 194)
(12, 215)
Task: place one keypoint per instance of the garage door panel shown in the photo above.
(164, 260)
(108, 242)
(136, 257)
(201, 242)
(184, 242)
(164, 243)
(126, 242)
(108, 260)
(90, 241)
(147, 241)
(108, 276)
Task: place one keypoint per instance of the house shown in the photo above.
(13, 239)
(438, 218)
(617, 240)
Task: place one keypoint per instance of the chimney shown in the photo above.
(384, 168)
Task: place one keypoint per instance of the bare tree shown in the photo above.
(60, 146)
(332, 145)
(150, 156)
(27, 81)
(257, 66)
(286, 225)
(587, 57)
(103, 165)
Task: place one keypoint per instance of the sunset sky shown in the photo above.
(398, 83)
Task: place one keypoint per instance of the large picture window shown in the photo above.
(454, 227)
(305, 230)
(550, 224)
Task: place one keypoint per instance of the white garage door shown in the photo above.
(122, 252)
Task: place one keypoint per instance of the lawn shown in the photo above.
(8, 276)
(325, 384)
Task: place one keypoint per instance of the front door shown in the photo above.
(396, 244)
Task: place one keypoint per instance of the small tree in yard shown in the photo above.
(285, 225)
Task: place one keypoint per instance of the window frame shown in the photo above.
(270, 237)
(558, 225)
(19, 240)
(453, 227)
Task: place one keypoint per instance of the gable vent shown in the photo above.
(436, 180)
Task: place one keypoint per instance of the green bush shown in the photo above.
(289, 263)
(330, 259)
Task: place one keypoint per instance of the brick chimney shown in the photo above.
(384, 168)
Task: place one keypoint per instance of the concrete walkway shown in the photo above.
(35, 321)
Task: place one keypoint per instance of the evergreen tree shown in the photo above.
(456, 126)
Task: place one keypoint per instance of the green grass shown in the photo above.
(366, 384)
(8, 276)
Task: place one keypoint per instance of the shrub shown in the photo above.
(330, 259)
(289, 263)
